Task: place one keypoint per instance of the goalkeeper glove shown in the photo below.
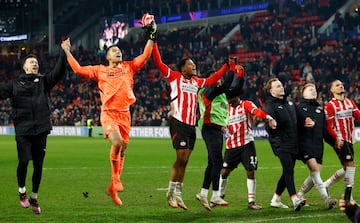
(152, 31)
(149, 24)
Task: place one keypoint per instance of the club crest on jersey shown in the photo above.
(290, 103)
(318, 110)
(182, 143)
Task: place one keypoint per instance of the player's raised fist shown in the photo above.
(146, 20)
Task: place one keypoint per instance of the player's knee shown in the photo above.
(118, 143)
(251, 175)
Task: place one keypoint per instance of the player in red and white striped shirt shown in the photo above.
(340, 116)
(240, 147)
(184, 86)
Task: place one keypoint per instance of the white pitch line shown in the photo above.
(162, 188)
(192, 168)
(289, 218)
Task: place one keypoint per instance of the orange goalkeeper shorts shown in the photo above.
(116, 121)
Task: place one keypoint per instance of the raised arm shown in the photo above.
(59, 70)
(216, 75)
(219, 73)
(163, 68)
(212, 91)
(85, 71)
(140, 60)
(151, 29)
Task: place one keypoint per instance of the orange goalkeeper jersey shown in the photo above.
(115, 84)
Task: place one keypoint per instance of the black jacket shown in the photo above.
(30, 102)
(311, 140)
(285, 137)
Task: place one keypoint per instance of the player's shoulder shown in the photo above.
(199, 80)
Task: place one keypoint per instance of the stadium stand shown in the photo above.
(282, 52)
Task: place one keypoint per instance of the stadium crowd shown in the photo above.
(291, 51)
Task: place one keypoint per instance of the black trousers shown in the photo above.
(31, 148)
(286, 180)
(214, 139)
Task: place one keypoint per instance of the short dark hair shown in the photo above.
(27, 57)
(111, 46)
(330, 85)
(182, 63)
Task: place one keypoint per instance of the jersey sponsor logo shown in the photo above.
(344, 114)
(114, 74)
(189, 88)
(236, 119)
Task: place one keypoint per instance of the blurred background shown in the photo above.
(296, 40)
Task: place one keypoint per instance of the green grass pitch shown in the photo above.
(74, 165)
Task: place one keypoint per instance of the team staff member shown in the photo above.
(312, 132)
(240, 147)
(341, 113)
(29, 94)
(184, 85)
(212, 123)
(283, 140)
(115, 82)
(90, 125)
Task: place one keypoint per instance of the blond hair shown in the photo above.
(269, 82)
(305, 86)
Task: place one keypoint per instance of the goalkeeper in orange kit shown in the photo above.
(115, 82)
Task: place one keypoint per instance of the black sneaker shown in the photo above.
(254, 206)
(35, 205)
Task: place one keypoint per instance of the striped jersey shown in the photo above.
(184, 96)
(184, 91)
(240, 124)
(340, 118)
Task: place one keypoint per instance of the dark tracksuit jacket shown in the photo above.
(285, 136)
(311, 140)
(30, 101)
